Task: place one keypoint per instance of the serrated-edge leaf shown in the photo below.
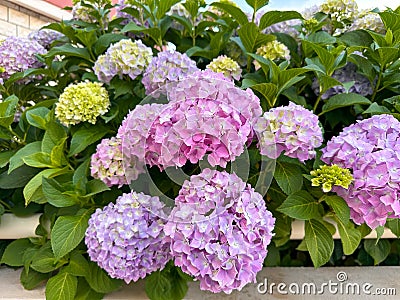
(377, 250)
(17, 160)
(68, 232)
(319, 242)
(300, 205)
(63, 286)
(343, 100)
(350, 236)
(289, 177)
(340, 208)
(273, 17)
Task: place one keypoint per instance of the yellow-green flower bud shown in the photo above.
(273, 50)
(225, 65)
(329, 176)
(82, 102)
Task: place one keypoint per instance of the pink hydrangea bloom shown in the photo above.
(205, 115)
(370, 148)
(106, 163)
(292, 129)
(126, 239)
(219, 231)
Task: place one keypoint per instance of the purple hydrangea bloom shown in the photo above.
(45, 37)
(106, 163)
(126, 239)
(168, 66)
(206, 114)
(219, 231)
(18, 54)
(286, 27)
(370, 148)
(346, 74)
(291, 129)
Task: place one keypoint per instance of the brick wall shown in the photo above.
(19, 21)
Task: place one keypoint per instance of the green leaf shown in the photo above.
(18, 178)
(321, 37)
(340, 208)
(7, 110)
(78, 265)
(394, 226)
(327, 59)
(106, 40)
(86, 136)
(319, 242)
(44, 261)
(166, 284)
(54, 194)
(85, 292)
(96, 186)
(54, 133)
(252, 37)
(164, 7)
(344, 100)
(391, 20)
(234, 11)
(57, 156)
(36, 182)
(350, 236)
(268, 90)
(327, 82)
(5, 157)
(300, 205)
(13, 255)
(257, 4)
(273, 17)
(87, 37)
(377, 250)
(79, 178)
(31, 279)
(68, 232)
(37, 117)
(38, 160)
(154, 32)
(376, 109)
(69, 50)
(100, 281)
(63, 286)
(17, 160)
(356, 38)
(289, 177)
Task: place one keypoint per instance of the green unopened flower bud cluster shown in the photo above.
(82, 102)
(329, 176)
(273, 50)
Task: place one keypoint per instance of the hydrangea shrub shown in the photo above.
(178, 141)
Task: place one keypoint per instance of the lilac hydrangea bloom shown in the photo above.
(370, 148)
(219, 231)
(168, 66)
(346, 74)
(106, 162)
(45, 37)
(126, 239)
(18, 54)
(123, 58)
(293, 130)
(206, 114)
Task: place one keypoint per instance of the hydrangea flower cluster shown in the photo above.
(134, 132)
(370, 148)
(340, 10)
(329, 176)
(370, 21)
(219, 231)
(82, 13)
(206, 114)
(273, 50)
(45, 37)
(126, 239)
(348, 73)
(168, 66)
(19, 54)
(225, 65)
(293, 130)
(82, 102)
(106, 163)
(123, 58)
(284, 27)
